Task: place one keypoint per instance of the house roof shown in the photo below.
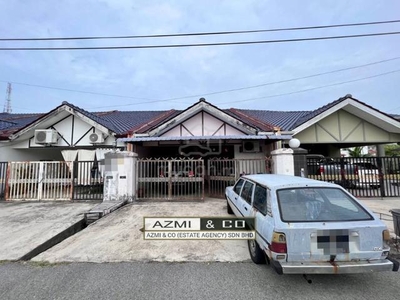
(285, 120)
(127, 122)
(328, 106)
(6, 124)
(120, 122)
(246, 123)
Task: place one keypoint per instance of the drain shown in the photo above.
(73, 229)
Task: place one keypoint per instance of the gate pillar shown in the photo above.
(282, 161)
(120, 176)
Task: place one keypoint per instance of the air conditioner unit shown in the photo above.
(96, 138)
(251, 146)
(46, 136)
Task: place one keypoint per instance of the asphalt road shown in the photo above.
(184, 281)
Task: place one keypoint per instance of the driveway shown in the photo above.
(27, 225)
(117, 237)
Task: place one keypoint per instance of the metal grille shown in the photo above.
(170, 179)
(222, 173)
(362, 176)
(39, 181)
(3, 178)
(88, 180)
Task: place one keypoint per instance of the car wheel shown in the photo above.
(256, 254)
(229, 209)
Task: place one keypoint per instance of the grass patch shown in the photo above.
(44, 264)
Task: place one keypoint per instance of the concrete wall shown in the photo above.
(249, 155)
(8, 153)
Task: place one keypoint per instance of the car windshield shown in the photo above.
(319, 205)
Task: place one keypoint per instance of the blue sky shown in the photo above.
(162, 74)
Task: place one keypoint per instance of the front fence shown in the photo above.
(3, 177)
(39, 181)
(50, 180)
(170, 179)
(222, 173)
(362, 176)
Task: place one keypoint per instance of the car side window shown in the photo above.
(260, 199)
(238, 186)
(247, 191)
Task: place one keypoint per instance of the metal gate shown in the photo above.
(88, 180)
(222, 173)
(40, 181)
(3, 178)
(362, 176)
(170, 179)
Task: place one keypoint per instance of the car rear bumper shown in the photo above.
(335, 267)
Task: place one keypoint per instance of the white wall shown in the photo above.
(249, 155)
(7, 153)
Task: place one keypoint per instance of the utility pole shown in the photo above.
(7, 105)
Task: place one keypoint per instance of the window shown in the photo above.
(260, 199)
(247, 191)
(238, 186)
(319, 205)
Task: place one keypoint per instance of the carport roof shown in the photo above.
(205, 138)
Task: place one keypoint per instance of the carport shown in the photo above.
(201, 165)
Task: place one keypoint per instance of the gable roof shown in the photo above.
(243, 123)
(127, 122)
(119, 122)
(354, 106)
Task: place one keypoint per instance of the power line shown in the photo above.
(311, 89)
(273, 96)
(286, 80)
(201, 44)
(264, 84)
(199, 33)
(198, 95)
(76, 91)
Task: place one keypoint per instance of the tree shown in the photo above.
(356, 152)
(392, 150)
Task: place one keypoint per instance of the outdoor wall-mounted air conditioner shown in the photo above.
(96, 138)
(46, 136)
(251, 146)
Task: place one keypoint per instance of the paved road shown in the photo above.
(184, 281)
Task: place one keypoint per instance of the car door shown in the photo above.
(245, 198)
(233, 196)
(263, 215)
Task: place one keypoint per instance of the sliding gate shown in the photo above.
(170, 179)
(224, 172)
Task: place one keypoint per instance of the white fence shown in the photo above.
(40, 181)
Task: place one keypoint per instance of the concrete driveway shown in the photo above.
(117, 237)
(24, 226)
(382, 208)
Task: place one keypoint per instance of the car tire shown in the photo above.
(228, 208)
(256, 254)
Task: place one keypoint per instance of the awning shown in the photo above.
(204, 138)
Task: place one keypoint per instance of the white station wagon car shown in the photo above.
(305, 226)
